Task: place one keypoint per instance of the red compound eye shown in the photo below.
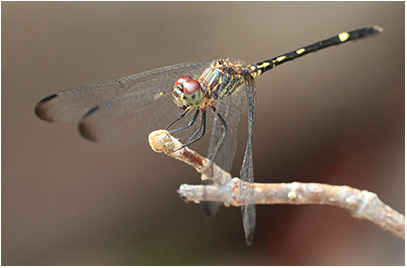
(191, 86)
(182, 80)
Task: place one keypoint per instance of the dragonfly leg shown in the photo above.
(190, 138)
(221, 137)
(193, 135)
(179, 118)
(201, 129)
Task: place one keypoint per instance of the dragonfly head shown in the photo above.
(187, 93)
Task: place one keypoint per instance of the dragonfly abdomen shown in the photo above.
(259, 68)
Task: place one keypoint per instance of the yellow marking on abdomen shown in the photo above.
(281, 58)
(300, 51)
(263, 65)
(343, 36)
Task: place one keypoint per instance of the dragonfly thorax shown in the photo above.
(223, 78)
(187, 93)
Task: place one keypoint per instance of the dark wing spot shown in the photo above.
(91, 111)
(85, 127)
(41, 109)
(50, 97)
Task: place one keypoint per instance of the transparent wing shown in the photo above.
(230, 108)
(121, 111)
(246, 171)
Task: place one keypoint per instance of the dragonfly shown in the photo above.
(124, 111)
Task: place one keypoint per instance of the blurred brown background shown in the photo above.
(336, 116)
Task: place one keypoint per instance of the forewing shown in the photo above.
(70, 105)
(121, 111)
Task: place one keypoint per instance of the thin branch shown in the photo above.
(360, 203)
(162, 142)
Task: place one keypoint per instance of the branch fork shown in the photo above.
(360, 204)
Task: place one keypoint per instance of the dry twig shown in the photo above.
(360, 203)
